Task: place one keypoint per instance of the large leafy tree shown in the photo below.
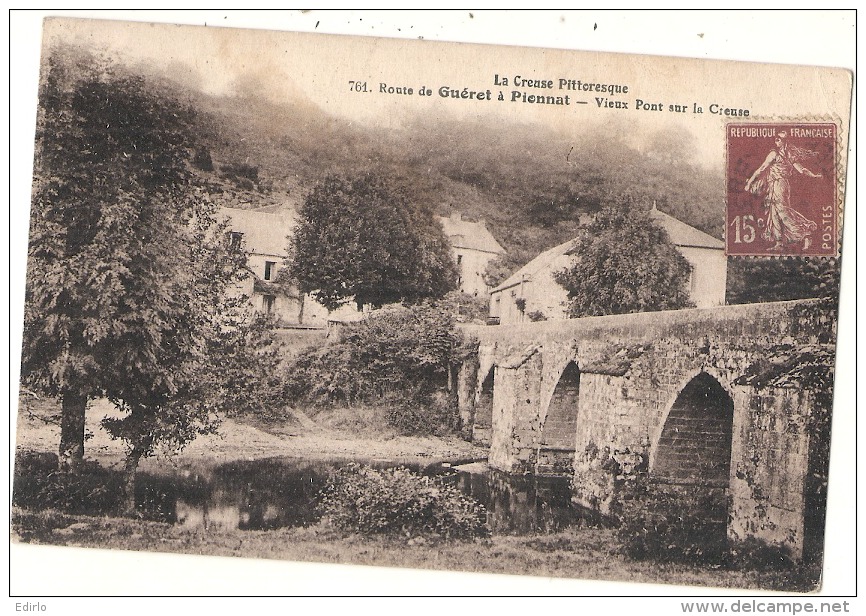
(127, 265)
(624, 263)
(364, 238)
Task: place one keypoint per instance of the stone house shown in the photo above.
(473, 247)
(531, 291)
(264, 233)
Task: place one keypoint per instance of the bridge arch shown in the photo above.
(556, 359)
(676, 401)
(558, 427)
(692, 461)
(486, 363)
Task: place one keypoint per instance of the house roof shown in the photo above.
(471, 235)
(275, 208)
(679, 233)
(542, 261)
(265, 232)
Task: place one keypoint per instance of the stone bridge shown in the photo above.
(734, 401)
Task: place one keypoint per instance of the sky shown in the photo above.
(317, 71)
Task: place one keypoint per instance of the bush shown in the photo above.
(757, 555)
(536, 315)
(466, 308)
(202, 159)
(399, 502)
(670, 523)
(39, 485)
(414, 414)
(398, 357)
(38, 527)
(243, 378)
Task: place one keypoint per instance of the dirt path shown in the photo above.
(302, 437)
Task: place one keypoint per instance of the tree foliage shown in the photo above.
(127, 266)
(500, 268)
(399, 357)
(624, 263)
(364, 238)
(775, 280)
(466, 308)
(395, 349)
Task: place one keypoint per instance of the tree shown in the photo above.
(95, 158)
(624, 263)
(500, 268)
(776, 280)
(127, 266)
(364, 238)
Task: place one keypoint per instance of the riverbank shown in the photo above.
(579, 553)
(588, 554)
(359, 436)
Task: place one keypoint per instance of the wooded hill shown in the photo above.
(529, 184)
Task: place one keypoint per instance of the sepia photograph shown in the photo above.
(366, 302)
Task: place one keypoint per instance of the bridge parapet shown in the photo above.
(643, 380)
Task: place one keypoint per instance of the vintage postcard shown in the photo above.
(482, 309)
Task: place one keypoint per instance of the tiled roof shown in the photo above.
(542, 261)
(681, 234)
(471, 235)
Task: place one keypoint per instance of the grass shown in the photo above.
(573, 553)
(583, 553)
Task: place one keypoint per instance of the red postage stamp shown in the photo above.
(781, 189)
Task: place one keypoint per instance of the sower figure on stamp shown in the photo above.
(770, 181)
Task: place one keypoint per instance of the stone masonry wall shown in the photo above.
(515, 414)
(769, 465)
(632, 370)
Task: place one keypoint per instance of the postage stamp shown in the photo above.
(781, 189)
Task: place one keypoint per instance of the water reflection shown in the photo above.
(520, 504)
(281, 492)
(255, 495)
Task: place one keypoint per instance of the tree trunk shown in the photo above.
(129, 469)
(73, 407)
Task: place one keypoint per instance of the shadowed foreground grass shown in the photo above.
(574, 553)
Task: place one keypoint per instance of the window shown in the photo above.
(268, 303)
(235, 239)
(270, 268)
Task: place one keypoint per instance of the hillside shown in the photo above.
(528, 184)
